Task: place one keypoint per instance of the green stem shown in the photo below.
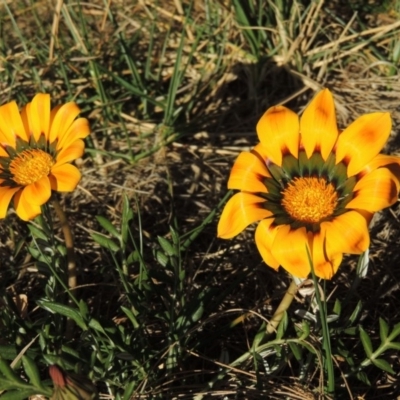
(326, 339)
(69, 244)
(283, 306)
(71, 268)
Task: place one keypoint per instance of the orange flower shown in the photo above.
(313, 189)
(36, 148)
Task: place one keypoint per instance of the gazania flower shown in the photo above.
(36, 148)
(312, 188)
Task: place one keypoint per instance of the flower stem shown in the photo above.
(326, 338)
(283, 306)
(69, 244)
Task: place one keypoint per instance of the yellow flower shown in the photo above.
(36, 148)
(313, 189)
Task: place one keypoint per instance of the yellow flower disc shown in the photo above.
(309, 200)
(30, 166)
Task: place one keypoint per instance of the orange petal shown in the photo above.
(70, 153)
(6, 194)
(62, 119)
(39, 192)
(24, 208)
(361, 141)
(264, 236)
(38, 115)
(241, 210)
(64, 178)
(289, 249)
(347, 233)
(247, 174)
(3, 153)
(392, 163)
(318, 125)
(11, 124)
(78, 130)
(278, 131)
(375, 191)
(325, 264)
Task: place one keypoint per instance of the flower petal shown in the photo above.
(3, 153)
(11, 124)
(375, 191)
(289, 249)
(318, 126)
(6, 194)
(247, 174)
(361, 141)
(64, 178)
(78, 130)
(347, 233)
(392, 163)
(24, 208)
(241, 210)
(325, 264)
(264, 236)
(70, 153)
(278, 131)
(38, 192)
(38, 115)
(62, 119)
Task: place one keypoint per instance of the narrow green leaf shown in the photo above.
(31, 371)
(366, 342)
(162, 258)
(355, 313)
(37, 233)
(129, 390)
(308, 346)
(8, 352)
(395, 332)
(104, 241)
(383, 365)
(393, 345)
(64, 310)
(304, 331)
(337, 308)
(296, 350)
(198, 313)
(362, 376)
(127, 215)
(83, 309)
(108, 226)
(175, 236)
(282, 326)
(166, 246)
(259, 337)
(8, 372)
(94, 324)
(131, 316)
(18, 394)
(352, 331)
(383, 330)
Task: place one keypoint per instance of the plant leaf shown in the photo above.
(62, 309)
(383, 330)
(108, 226)
(383, 365)
(104, 241)
(366, 342)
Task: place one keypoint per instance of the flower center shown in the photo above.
(309, 200)
(30, 166)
